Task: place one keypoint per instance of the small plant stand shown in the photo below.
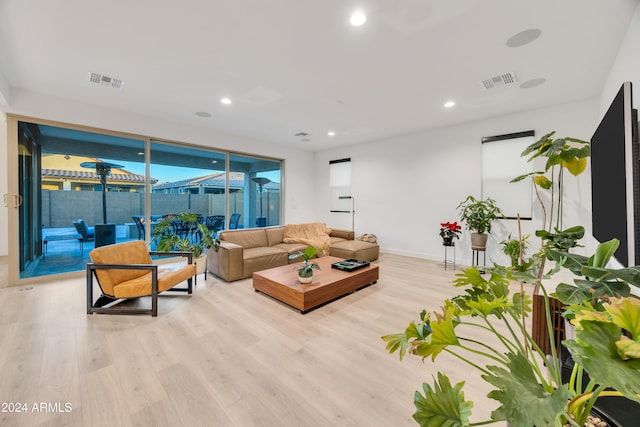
(475, 258)
(447, 261)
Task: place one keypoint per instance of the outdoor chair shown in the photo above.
(125, 271)
(88, 233)
(215, 223)
(138, 220)
(233, 222)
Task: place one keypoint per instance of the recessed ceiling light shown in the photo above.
(203, 114)
(331, 133)
(523, 37)
(449, 104)
(225, 101)
(358, 19)
(532, 83)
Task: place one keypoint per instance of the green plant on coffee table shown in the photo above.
(514, 364)
(306, 269)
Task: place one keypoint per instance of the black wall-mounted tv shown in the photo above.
(615, 178)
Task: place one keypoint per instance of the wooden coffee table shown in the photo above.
(328, 283)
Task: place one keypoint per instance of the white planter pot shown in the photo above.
(201, 263)
(305, 279)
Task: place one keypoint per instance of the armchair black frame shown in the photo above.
(153, 311)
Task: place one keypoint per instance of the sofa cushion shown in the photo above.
(134, 252)
(335, 240)
(343, 234)
(356, 249)
(274, 235)
(168, 276)
(262, 258)
(292, 248)
(251, 238)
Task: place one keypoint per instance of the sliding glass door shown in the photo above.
(254, 186)
(72, 183)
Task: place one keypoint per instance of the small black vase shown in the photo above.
(447, 241)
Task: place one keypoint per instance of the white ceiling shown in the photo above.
(298, 66)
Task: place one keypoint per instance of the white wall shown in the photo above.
(405, 187)
(298, 168)
(626, 66)
(440, 167)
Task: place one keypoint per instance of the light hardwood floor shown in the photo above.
(226, 356)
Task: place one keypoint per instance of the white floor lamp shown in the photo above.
(353, 211)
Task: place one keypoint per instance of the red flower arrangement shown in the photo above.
(450, 230)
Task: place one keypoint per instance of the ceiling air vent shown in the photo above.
(501, 80)
(103, 80)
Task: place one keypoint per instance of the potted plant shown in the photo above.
(514, 247)
(449, 231)
(559, 155)
(478, 215)
(184, 233)
(529, 394)
(305, 270)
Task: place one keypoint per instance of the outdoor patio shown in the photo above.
(64, 256)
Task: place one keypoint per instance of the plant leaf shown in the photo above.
(442, 334)
(599, 289)
(442, 405)
(596, 351)
(573, 262)
(630, 275)
(486, 307)
(524, 401)
(570, 294)
(542, 181)
(521, 177)
(575, 166)
(470, 276)
(628, 349)
(604, 252)
(535, 147)
(396, 342)
(625, 313)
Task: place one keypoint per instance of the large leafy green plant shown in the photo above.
(561, 154)
(167, 238)
(528, 395)
(478, 215)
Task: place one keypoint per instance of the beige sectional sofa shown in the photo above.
(245, 251)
